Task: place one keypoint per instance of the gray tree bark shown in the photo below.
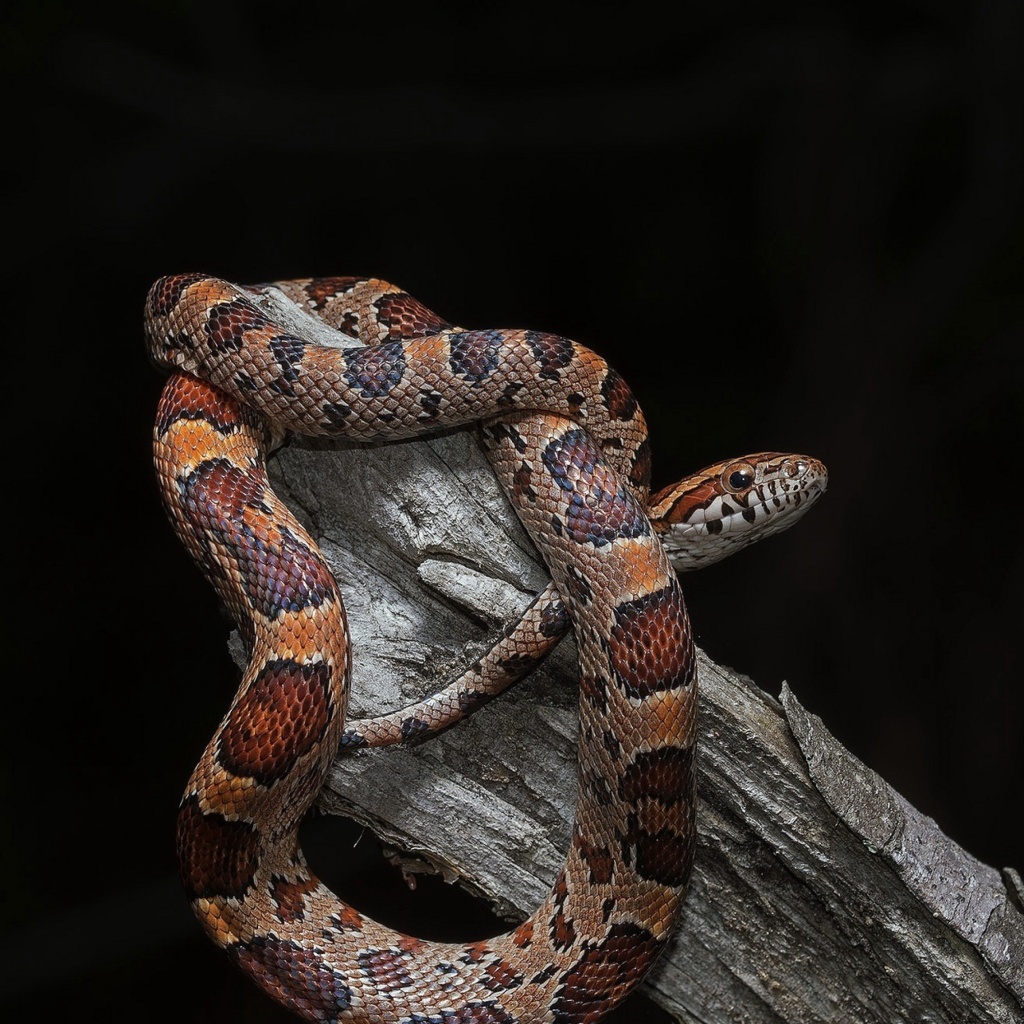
(819, 893)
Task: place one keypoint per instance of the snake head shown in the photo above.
(729, 505)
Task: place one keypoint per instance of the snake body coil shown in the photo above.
(568, 444)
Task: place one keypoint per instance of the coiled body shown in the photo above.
(568, 444)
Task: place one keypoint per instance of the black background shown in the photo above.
(789, 226)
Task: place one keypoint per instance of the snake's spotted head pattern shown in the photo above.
(729, 505)
(568, 443)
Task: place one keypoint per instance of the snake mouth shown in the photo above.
(748, 510)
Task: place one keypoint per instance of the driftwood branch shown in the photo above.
(819, 893)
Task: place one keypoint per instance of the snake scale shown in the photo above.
(568, 444)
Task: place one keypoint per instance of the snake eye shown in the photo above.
(737, 476)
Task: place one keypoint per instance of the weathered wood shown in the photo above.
(819, 894)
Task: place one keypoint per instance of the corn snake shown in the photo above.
(568, 442)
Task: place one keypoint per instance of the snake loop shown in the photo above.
(568, 444)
